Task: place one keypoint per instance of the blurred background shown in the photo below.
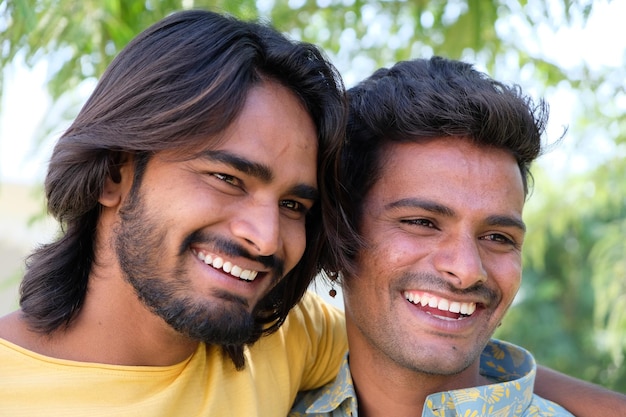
(571, 310)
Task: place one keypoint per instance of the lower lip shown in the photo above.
(443, 324)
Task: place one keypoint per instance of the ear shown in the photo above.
(119, 180)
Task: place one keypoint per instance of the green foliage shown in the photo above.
(80, 38)
(571, 311)
(381, 33)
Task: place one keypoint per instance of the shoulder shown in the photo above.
(540, 407)
(316, 317)
(314, 337)
(14, 329)
(335, 398)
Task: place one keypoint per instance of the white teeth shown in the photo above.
(228, 267)
(236, 271)
(464, 308)
(440, 303)
(414, 298)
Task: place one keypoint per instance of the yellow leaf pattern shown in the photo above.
(512, 369)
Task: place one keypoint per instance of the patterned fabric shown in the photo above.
(512, 366)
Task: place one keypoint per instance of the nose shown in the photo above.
(459, 260)
(258, 226)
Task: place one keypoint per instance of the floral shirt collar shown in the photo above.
(513, 367)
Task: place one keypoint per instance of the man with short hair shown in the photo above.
(436, 259)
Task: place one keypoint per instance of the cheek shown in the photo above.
(510, 281)
(516, 285)
(378, 263)
(293, 237)
(397, 252)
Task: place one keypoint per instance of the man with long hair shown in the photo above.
(190, 190)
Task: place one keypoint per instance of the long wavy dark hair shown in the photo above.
(180, 81)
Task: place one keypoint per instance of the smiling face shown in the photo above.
(203, 240)
(443, 228)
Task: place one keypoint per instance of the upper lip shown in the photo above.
(441, 303)
(236, 269)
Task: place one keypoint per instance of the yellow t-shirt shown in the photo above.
(304, 353)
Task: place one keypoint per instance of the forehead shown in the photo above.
(273, 137)
(275, 124)
(273, 115)
(450, 169)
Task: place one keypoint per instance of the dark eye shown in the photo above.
(293, 206)
(420, 222)
(293, 209)
(229, 179)
(500, 238)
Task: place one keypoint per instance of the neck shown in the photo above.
(128, 334)
(112, 327)
(385, 390)
(116, 327)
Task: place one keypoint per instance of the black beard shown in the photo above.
(138, 245)
(226, 323)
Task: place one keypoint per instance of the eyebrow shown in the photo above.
(494, 220)
(506, 221)
(257, 170)
(422, 204)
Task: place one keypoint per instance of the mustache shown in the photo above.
(231, 248)
(430, 282)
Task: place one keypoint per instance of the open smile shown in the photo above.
(229, 267)
(441, 307)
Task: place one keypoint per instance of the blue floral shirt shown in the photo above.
(512, 365)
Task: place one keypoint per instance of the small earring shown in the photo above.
(333, 291)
